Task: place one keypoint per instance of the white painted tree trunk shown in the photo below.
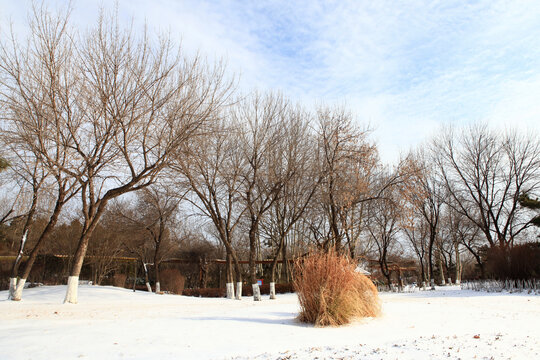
(449, 281)
(441, 268)
(238, 291)
(230, 290)
(256, 292)
(12, 286)
(13, 281)
(272, 290)
(158, 288)
(432, 284)
(72, 289)
(17, 294)
(146, 276)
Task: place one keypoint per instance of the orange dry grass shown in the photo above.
(330, 291)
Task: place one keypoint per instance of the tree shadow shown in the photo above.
(289, 321)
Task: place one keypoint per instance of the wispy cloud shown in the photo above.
(404, 68)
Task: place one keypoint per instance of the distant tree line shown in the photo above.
(115, 143)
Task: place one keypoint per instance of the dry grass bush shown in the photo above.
(331, 293)
(172, 280)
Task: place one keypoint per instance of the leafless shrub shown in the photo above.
(172, 281)
(119, 280)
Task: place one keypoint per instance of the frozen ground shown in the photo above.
(114, 323)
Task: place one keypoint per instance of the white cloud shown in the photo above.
(404, 68)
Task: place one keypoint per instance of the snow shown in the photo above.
(115, 323)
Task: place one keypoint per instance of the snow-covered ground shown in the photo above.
(114, 323)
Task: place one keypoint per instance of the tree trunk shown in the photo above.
(400, 279)
(156, 271)
(272, 290)
(146, 278)
(12, 287)
(458, 264)
(285, 267)
(16, 264)
(389, 281)
(386, 273)
(422, 271)
(238, 290)
(441, 268)
(229, 276)
(72, 289)
(256, 292)
(17, 296)
(239, 282)
(273, 269)
(26, 228)
(273, 280)
(73, 280)
(252, 257)
(90, 224)
(430, 258)
(135, 272)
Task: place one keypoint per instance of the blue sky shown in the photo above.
(404, 68)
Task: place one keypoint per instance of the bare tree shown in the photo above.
(464, 232)
(34, 175)
(352, 178)
(417, 234)
(117, 105)
(142, 102)
(301, 181)
(263, 177)
(131, 231)
(35, 89)
(211, 167)
(104, 250)
(158, 207)
(425, 196)
(485, 174)
(385, 216)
